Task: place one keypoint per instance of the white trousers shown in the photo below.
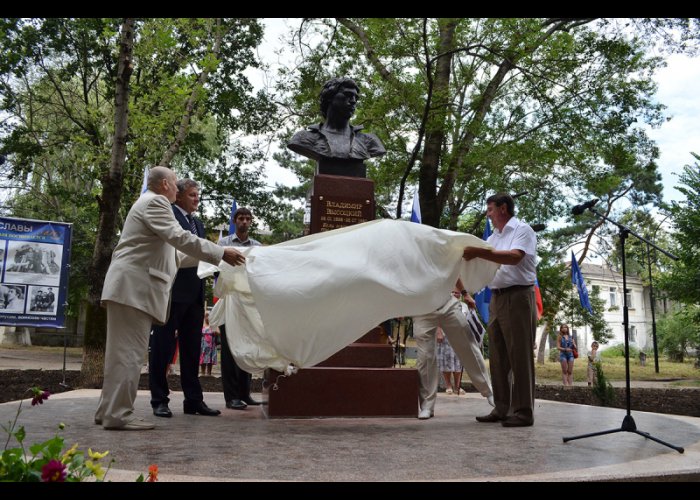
(128, 330)
(453, 322)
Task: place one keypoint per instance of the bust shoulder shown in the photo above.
(309, 142)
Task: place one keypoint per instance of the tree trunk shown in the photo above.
(112, 183)
(435, 129)
(543, 343)
(194, 99)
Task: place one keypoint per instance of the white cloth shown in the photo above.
(516, 235)
(301, 301)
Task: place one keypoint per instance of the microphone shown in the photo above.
(579, 209)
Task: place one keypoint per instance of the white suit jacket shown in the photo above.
(145, 260)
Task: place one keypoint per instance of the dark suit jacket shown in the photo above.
(188, 287)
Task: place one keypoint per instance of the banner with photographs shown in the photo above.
(34, 263)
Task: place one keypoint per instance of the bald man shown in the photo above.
(137, 288)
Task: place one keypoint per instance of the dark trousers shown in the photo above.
(236, 381)
(512, 327)
(187, 319)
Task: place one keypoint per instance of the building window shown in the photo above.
(628, 296)
(596, 290)
(633, 333)
(613, 297)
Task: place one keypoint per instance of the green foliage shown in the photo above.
(49, 461)
(602, 388)
(683, 282)
(530, 104)
(57, 87)
(46, 461)
(618, 351)
(678, 332)
(572, 313)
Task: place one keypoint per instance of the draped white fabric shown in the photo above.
(301, 301)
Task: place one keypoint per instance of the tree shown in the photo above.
(683, 281)
(678, 332)
(66, 94)
(468, 107)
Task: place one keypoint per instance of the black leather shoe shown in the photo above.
(491, 417)
(516, 422)
(250, 401)
(162, 410)
(200, 408)
(236, 404)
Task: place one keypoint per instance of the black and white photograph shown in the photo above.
(12, 298)
(42, 300)
(36, 263)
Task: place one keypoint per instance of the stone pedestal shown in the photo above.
(357, 381)
(338, 201)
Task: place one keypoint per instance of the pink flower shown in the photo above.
(53, 472)
(39, 396)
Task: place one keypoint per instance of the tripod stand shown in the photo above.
(628, 424)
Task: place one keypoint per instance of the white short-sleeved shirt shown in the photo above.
(516, 235)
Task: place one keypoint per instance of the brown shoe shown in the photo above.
(491, 417)
(516, 422)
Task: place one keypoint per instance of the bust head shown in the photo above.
(341, 94)
(338, 147)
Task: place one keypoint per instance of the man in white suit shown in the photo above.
(136, 292)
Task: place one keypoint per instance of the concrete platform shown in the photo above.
(452, 446)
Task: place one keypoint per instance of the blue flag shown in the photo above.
(415, 211)
(232, 224)
(144, 186)
(577, 279)
(483, 298)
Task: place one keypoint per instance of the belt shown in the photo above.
(499, 291)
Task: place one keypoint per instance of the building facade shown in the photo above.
(607, 285)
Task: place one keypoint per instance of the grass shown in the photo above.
(44, 348)
(614, 369)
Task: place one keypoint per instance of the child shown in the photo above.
(207, 356)
(592, 358)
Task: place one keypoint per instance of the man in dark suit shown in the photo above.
(186, 317)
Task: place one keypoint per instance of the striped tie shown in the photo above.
(193, 226)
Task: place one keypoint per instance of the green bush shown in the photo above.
(618, 351)
(602, 388)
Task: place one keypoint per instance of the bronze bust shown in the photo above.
(338, 147)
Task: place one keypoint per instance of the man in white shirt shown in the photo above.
(513, 313)
(235, 380)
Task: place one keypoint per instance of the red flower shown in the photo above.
(53, 472)
(152, 473)
(39, 396)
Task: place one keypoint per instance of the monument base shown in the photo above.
(356, 381)
(341, 392)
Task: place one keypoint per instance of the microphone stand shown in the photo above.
(628, 424)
